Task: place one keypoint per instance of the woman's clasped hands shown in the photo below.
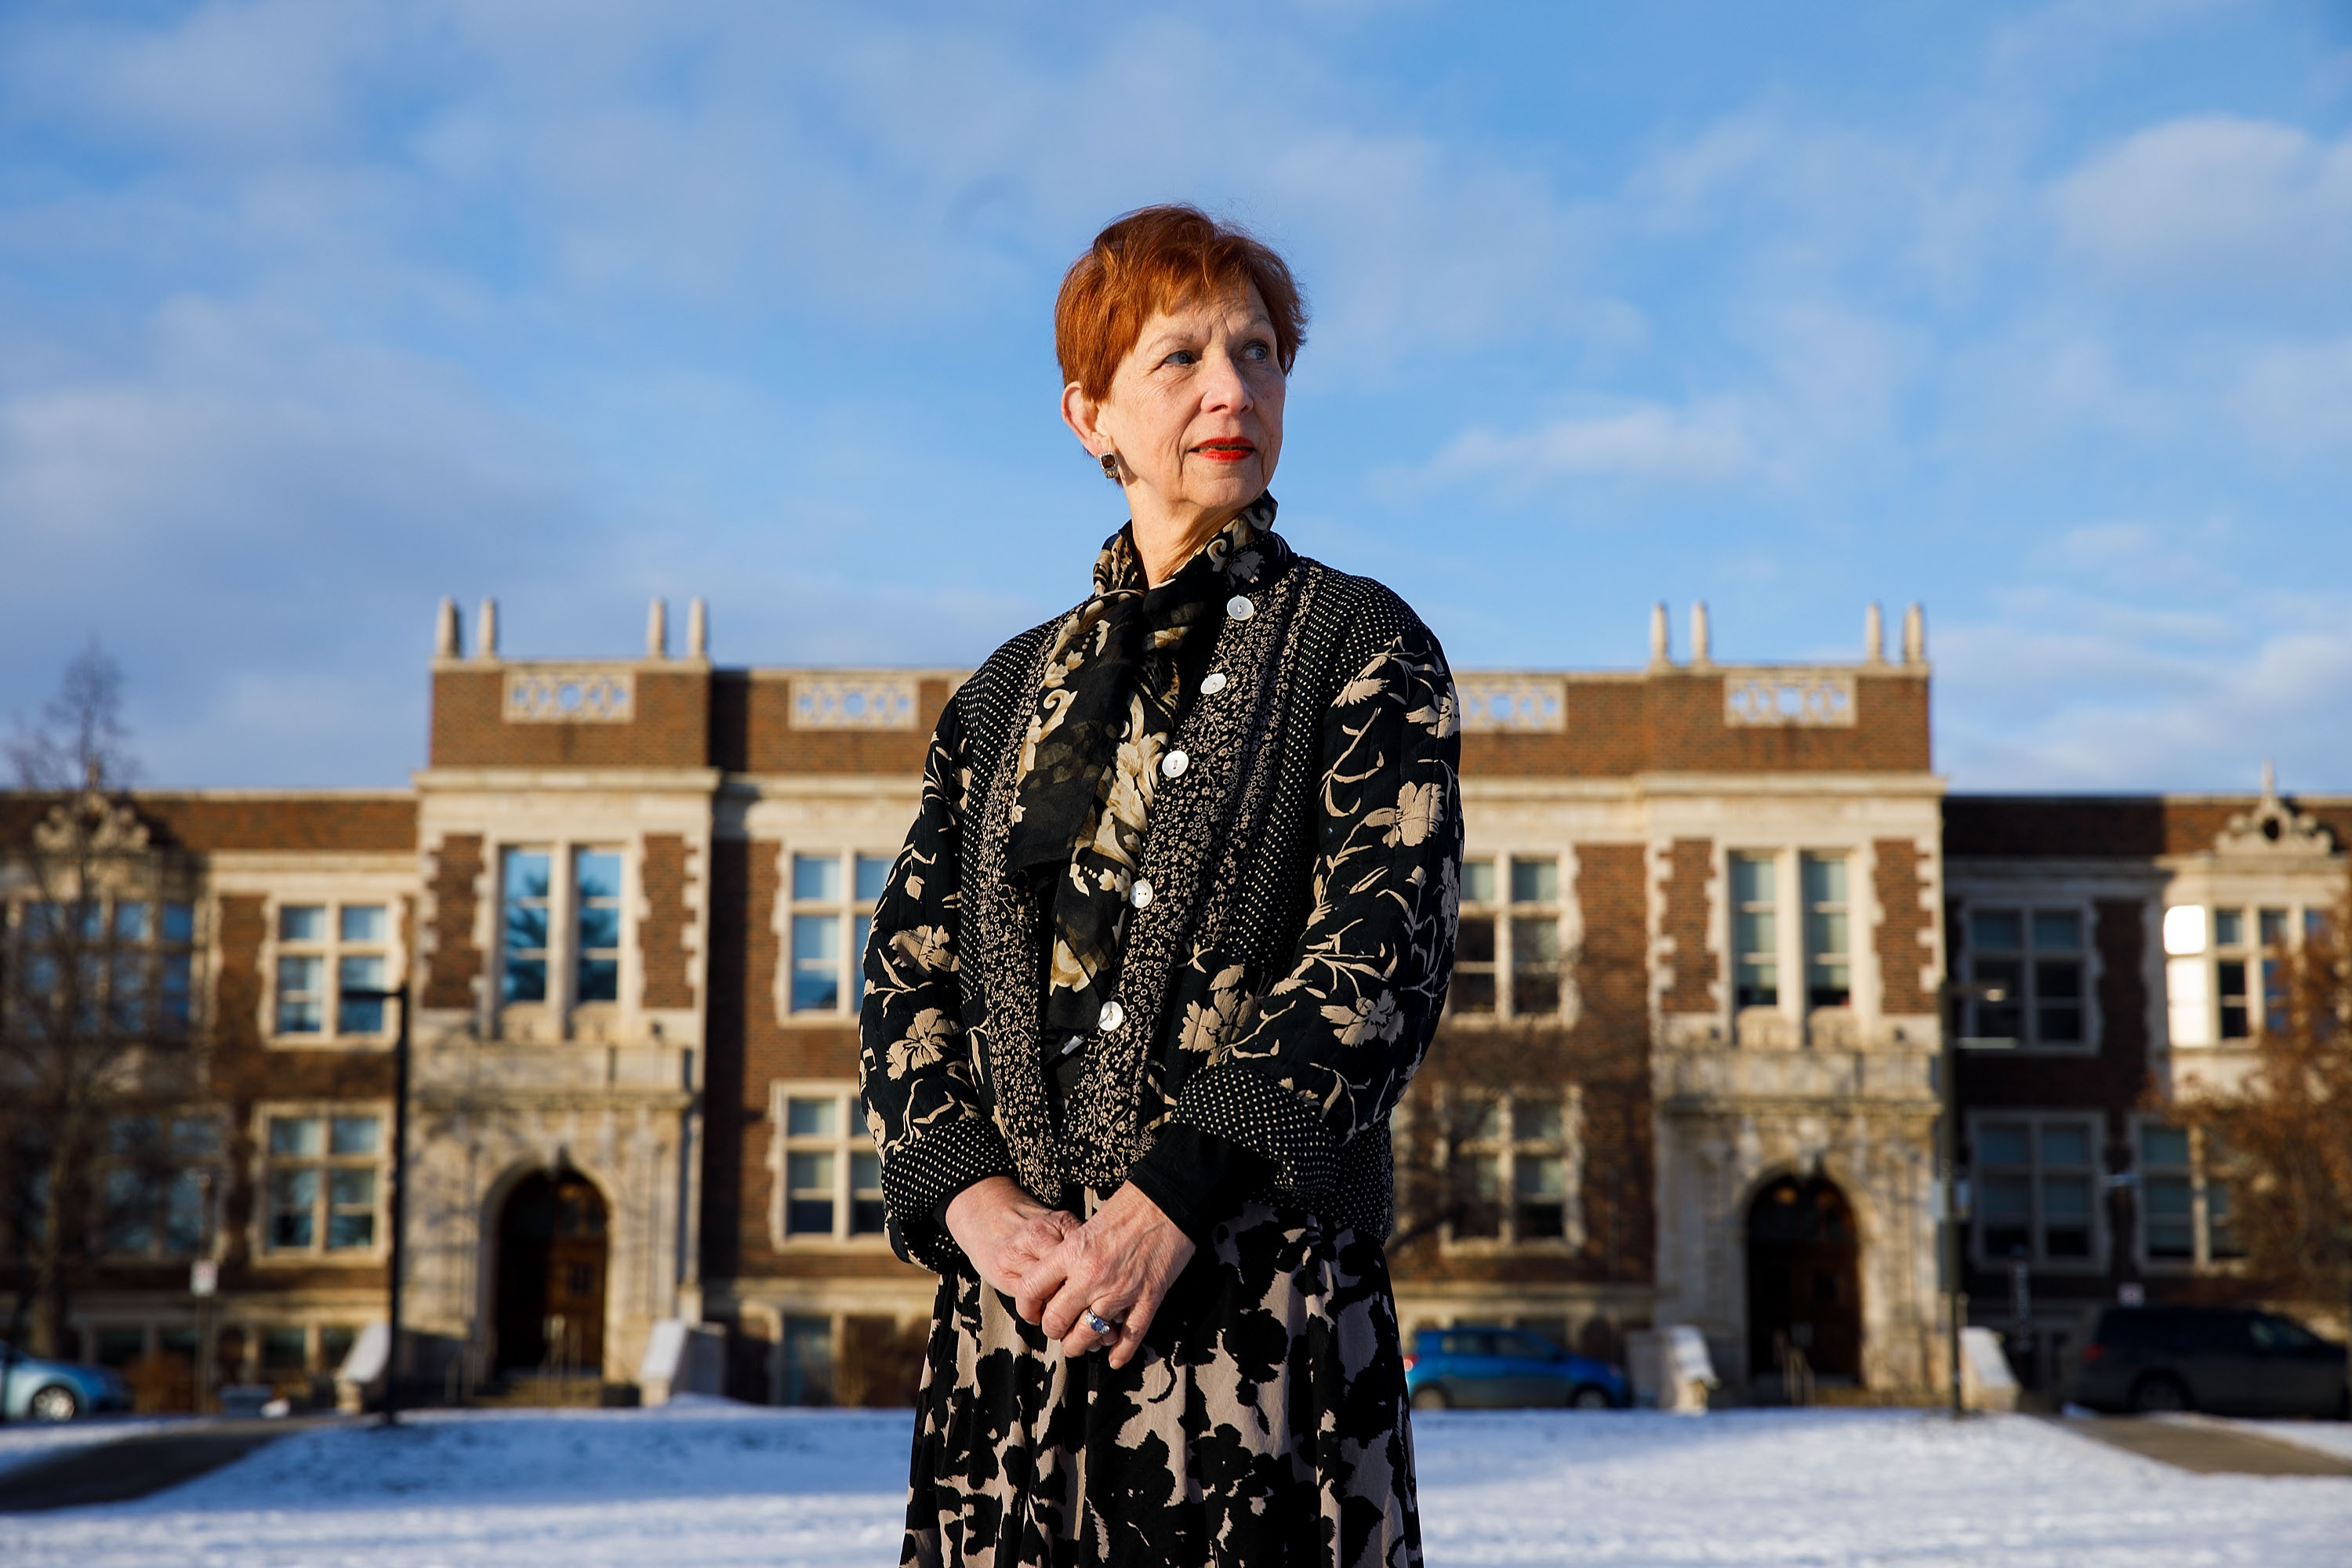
(1115, 1267)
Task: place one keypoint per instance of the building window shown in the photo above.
(2028, 966)
(2184, 1205)
(1535, 936)
(832, 902)
(1829, 972)
(2036, 1177)
(325, 953)
(157, 1175)
(1474, 989)
(1513, 1167)
(131, 958)
(1755, 932)
(596, 929)
(1526, 925)
(807, 1356)
(828, 1178)
(319, 1182)
(526, 891)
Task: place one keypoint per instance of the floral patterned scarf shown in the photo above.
(1096, 745)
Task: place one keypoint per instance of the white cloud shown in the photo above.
(2217, 200)
(1649, 442)
(2296, 398)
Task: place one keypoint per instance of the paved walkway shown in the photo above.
(136, 1465)
(2206, 1448)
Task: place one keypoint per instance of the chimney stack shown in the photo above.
(1915, 634)
(697, 629)
(1873, 634)
(657, 630)
(1662, 652)
(486, 631)
(1702, 651)
(445, 630)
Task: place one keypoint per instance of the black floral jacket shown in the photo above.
(1279, 988)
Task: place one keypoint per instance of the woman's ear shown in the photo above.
(1082, 414)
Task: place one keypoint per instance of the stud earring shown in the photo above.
(1110, 467)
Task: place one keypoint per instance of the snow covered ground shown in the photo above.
(725, 1485)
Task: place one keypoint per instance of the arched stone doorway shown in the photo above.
(550, 1276)
(1804, 1280)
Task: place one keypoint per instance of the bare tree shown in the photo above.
(90, 1028)
(2283, 1136)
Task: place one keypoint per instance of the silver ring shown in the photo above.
(1101, 1324)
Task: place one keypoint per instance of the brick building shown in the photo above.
(1687, 1074)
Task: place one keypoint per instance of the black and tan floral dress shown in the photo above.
(1178, 909)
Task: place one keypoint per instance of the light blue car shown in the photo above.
(39, 1390)
(1472, 1366)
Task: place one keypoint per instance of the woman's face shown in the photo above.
(1194, 411)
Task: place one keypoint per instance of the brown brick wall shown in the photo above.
(2107, 826)
(1903, 925)
(245, 1073)
(1672, 721)
(455, 960)
(1684, 924)
(752, 732)
(662, 935)
(2111, 1080)
(1606, 1056)
(356, 823)
(671, 728)
(750, 1049)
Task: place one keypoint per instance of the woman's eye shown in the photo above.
(1257, 348)
(1182, 356)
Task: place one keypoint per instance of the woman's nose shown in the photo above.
(1224, 386)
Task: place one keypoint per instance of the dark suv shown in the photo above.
(1467, 1366)
(2226, 1361)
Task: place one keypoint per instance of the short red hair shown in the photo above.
(1158, 258)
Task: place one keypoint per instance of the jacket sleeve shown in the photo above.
(914, 1066)
(1336, 1039)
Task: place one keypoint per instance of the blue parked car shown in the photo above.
(41, 1390)
(1470, 1366)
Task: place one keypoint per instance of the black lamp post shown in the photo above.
(397, 1262)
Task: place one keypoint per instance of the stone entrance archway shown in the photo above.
(1804, 1280)
(552, 1261)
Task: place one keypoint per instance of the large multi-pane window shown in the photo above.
(1510, 910)
(2184, 1205)
(2036, 1180)
(325, 954)
(1512, 1163)
(157, 1174)
(559, 925)
(832, 902)
(1755, 932)
(2227, 969)
(131, 962)
(1829, 959)
(828, 1176)
(320, 1181)
(2028, 969)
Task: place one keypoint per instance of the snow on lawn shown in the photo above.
(706, 1486)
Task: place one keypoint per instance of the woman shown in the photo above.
(1168, 939)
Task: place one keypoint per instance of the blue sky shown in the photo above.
(311, 314)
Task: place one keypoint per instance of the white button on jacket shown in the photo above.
(1213, 683)
(1112, 1016)
(1241, 609)
(1174, 763)
(1139, 894)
